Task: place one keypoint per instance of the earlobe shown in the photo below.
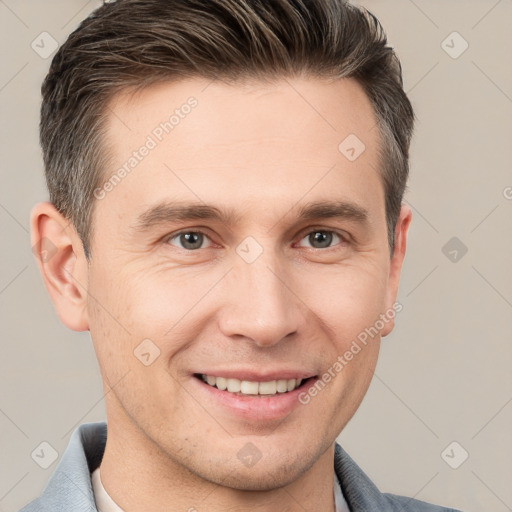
(62, 263)
(395, 267)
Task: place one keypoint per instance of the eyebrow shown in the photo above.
(167, 212)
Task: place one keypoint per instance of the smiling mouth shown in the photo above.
(252, 388)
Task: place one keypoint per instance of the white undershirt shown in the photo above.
(104, 503)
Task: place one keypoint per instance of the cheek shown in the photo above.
(147, 317)
(161, 296)
(347, 300)
(115, 310)
(141, 303)
(132, 359)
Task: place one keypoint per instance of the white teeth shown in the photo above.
(282, 386)
(291, 384)
(268, 388)
(246, 387)
(221, 383)
(233, 385)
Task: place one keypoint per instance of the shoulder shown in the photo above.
(33, 506)
(70, 486)
(362, 494)
(405, 504)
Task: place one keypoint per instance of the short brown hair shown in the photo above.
(136, 43)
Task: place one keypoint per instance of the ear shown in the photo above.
(61, 260)
(395, 267)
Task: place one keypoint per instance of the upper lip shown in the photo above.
(258, 376)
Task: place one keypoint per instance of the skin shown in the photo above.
(263, 151)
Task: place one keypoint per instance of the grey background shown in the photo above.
(444, 373)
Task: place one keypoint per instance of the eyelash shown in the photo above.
(343, 237)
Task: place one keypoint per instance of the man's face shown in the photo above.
(260, 294)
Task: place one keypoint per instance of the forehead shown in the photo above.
(332, 107)
(251, 141)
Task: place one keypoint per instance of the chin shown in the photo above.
(269, 472)
(265, 478)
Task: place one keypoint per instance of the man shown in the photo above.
(226, 219)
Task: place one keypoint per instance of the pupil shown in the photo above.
(322, 237)
(191, 239)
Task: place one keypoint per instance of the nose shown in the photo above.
(259, 303)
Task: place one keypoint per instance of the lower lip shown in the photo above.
(253, 407)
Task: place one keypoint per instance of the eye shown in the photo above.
(189, 240)
(321, 239)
